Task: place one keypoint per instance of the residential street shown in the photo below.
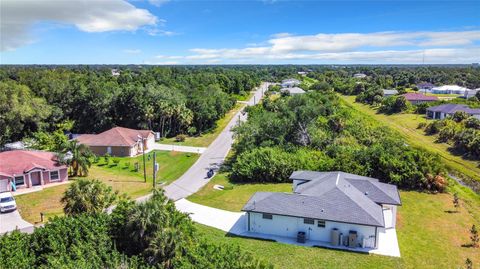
(212, 157)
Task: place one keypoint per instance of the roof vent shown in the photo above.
(366, 193)
(322, 210)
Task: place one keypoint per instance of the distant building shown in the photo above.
(388, 93)
(293, 90)
(13, 146)
(447, 110)
(449, 89)
(359, 75)
(289, 83)
(302, 73)
(425, 87)
(471, 93)
(115, 72)
(419, 98)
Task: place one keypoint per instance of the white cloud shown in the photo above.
(132, 51)
(89, 16)
(377, 47)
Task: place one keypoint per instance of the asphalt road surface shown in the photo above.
(196, 177)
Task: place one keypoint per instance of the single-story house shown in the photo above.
(293, 90)
(419, 98)
(388, 93)
(446, 110)
(359, 75)
(425, 87)
(289, 83)
(471, 93)
(449, 89)
(25, 169)
(337, 208)
(118, 141)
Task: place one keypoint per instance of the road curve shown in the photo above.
(195, 177)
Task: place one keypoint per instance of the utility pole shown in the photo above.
(142, 140)
(154, 169)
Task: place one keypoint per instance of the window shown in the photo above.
(19, 181)
(309, 221)
(321, 223)
(267, 216)
(54, 176)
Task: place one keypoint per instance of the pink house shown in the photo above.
(25, 169)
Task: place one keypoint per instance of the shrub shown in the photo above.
(116, 161)
(180, 138)
(421, 125)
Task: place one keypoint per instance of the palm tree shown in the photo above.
(77, 156)
(88, 196)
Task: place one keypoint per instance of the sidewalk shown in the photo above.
(169, 147)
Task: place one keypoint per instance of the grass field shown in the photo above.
(205, 139)
(429, 236)
(406, 125)
(122, 178)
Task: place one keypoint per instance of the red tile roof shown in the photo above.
(115, 137)
(411, 96)
(17, 162)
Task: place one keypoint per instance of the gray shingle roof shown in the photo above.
(452, 108)
(335, 196)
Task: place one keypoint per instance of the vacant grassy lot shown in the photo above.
(205, 139)
(406, 125)
(121, 177)
(429, 235)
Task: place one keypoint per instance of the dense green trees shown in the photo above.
(461, 131)
(166, 99)
(152, 234)
(315, 131)
(21, 111)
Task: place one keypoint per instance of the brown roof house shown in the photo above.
(419, 98)
(118, 141)
(25, 169)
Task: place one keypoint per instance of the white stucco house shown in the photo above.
(335, 209)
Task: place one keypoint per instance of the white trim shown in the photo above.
(50, 175)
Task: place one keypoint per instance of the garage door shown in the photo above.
(3, 185)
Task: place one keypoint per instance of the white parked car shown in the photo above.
(7, 202)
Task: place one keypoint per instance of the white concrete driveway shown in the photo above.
(11, 221)
(231, 222)
(168, 147)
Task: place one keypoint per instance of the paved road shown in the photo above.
(11, 221)
(212, 157)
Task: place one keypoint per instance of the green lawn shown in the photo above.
(205, 139)
(122, 178)
(406, 125)
(429, 236)
(235, 195)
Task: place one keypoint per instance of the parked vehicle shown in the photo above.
(210, 173)
(7, 202)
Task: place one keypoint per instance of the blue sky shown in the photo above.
(238, 32)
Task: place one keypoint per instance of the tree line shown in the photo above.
(170, 100)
